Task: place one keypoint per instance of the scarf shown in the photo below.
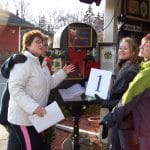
(139, 83)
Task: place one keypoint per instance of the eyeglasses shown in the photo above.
(38, 41)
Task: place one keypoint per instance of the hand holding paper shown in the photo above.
(53, 116)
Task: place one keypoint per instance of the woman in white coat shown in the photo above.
(29, 86)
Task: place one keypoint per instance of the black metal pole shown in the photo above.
(75, 137)
(76, 108)
(120, 34)
(121, 22)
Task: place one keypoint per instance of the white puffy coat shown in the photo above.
(29, 86)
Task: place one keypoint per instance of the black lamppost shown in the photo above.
(121, 21)
(91, 1)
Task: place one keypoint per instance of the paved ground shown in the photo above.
(3, 131)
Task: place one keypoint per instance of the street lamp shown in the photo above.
(91, 1)
(121, 21)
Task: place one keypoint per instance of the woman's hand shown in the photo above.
(40, 111)
(69, 68)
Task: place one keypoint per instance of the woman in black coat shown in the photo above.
(126, 70)
(135, 101)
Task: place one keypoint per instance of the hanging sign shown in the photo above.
(133, 28)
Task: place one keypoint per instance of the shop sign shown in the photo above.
(133, 28)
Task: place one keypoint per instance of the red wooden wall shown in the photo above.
(9, 36)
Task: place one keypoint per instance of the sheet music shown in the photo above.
(53, 116)
(73, 92)
(77, 98)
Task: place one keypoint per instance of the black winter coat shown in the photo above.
(5, 71)
(124, 76)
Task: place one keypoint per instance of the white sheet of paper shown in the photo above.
(53, 116)
(76, 98)
(72, 92)
(98, 83)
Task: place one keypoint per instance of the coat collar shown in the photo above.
(33, 57)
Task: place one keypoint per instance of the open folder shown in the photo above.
(73, 93)
(53, 116)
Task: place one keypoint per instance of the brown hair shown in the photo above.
(48, 39)
(28, 38)
(134, 49)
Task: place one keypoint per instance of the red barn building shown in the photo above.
(10, 31)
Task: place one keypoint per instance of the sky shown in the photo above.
(43, 6)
